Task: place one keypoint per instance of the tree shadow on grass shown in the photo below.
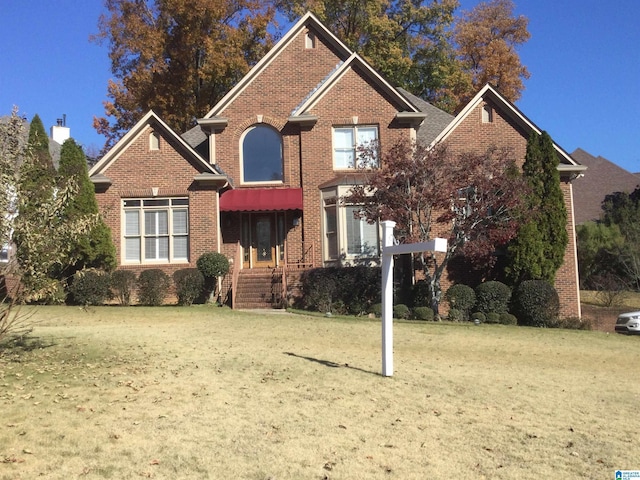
(24, 343)
(329, 363)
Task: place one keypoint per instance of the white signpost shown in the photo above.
(389, 249)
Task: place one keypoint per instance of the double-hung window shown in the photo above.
(156, 230)
(347, 143)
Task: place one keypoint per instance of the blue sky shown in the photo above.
(583, 55)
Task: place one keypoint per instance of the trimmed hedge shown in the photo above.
(90, 287)
(493, 297)
(123, 282)
(153, 286)
(455, 315)
(341, 290)
(462, 298)
(401, 311)
(423, 313)
(536, 303)
(479, 316)
(508, 319)
(189, 283)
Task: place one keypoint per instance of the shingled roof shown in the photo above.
(435, 122)
(602, 178)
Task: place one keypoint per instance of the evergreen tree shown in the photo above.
(38, 175)
(95, 248)
(538, 251)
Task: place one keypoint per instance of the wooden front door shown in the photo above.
(263, 244)
(262, 239)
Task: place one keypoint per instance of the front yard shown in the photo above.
(205, 392)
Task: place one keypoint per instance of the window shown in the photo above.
(346, 144)
(362, 237)
(487, 114)
(331, 230)
(347, 238)
(154, 141)
(261, 152)
(156, 230)
(309, 40)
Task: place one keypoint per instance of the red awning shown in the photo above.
(261, 199)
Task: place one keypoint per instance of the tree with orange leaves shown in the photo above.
(486, 40)
(177, 57)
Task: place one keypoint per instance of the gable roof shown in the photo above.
(97, 171)
(348, 58)
(602, 178)
(434, 123)
(567, 164)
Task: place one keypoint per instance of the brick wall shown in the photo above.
(474, 135)
(307, 151)
(136, 171)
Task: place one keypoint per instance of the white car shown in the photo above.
(628, 322)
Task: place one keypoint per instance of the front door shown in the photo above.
(263, 245)
(263, 239)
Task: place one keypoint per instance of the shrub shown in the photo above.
(455, 315)
(573, 323)
(122, 284)
(536, 303)
(420, 294)
(508, 319)
(462, 298)
(212, 265)
(479, 316)
(492, 317)
(401, 311)
(492, 296)
(350, 290)
(423, 313)
(90, 287)
(153, 285)
(376, 309)
(189, 283)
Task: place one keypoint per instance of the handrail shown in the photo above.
(283, 294)
(237, 265)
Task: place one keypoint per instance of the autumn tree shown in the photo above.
(486, 40)
(538, 251)
(409, 43)
(95, 249)
(470, 199)
(177, 57)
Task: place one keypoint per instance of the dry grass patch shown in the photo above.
(172, 393)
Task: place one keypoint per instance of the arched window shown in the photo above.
(261, 155)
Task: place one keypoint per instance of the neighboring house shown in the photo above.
(260, 179)
(602, 178)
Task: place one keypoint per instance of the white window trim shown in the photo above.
(354, 148)
(154, 141)
(141, 209)
(342, 248)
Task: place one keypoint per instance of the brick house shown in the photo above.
(260, 177)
